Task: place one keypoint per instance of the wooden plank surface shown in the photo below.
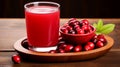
(111, 59)
(13, 29)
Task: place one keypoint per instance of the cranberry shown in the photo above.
(102, 38)
(61, 51)
(68, 48)
(80, 24)
(99, 44)
(72, 32)
(72, 23)
(80, 31)
(76, 27)
(64, 30)
(86, 28)
(85, 22)
(65, 25)
(72, 19)
(68, 27)
(77, 22)
(52, 51)
(90, 29)
(16, 59)
(62, 46)
(94, 39)
(78, 48)
(89, 46)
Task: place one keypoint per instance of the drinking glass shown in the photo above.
(42, 24)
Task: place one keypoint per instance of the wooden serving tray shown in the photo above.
(61, 57)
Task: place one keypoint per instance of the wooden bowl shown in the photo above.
(61, 57)
(78, 38)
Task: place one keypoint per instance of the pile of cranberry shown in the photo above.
(73, 26)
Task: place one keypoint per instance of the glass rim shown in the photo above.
(46, 2)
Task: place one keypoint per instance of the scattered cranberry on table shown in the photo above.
(16, 59)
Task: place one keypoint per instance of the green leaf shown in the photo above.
(103, 29)
(99, 24)
(95, 25)
(98, 33)
(106, 29)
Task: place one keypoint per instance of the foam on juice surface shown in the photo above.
(42, 9)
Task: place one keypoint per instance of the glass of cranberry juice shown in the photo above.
(42, 23)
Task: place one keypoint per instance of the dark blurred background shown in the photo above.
(69, 8)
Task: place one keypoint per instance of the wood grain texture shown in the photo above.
(111, 59)
(13, 29)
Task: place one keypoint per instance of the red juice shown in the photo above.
(42, 24)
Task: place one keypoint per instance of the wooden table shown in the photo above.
(13, 29)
